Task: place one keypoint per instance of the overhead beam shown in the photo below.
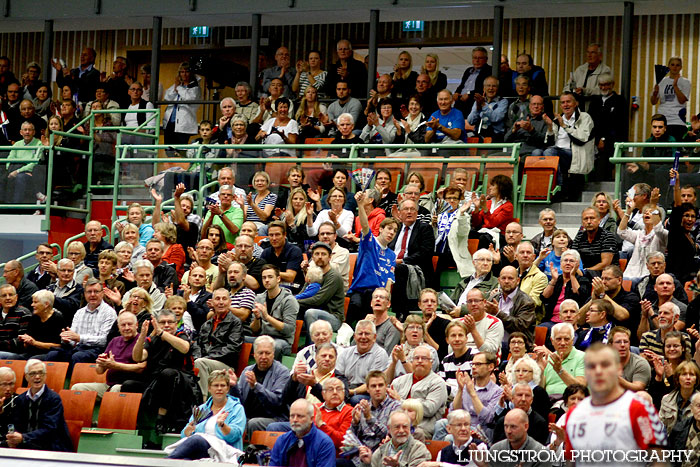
(47, 50)
(255, 32)
(372, 47)
(627, 31)
(155, 58)
(497, 38)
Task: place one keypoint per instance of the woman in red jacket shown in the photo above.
(497, 212)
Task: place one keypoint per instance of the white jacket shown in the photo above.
(582, 142)
(591, 88)
(186, 117)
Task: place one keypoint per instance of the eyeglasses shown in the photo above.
(421, 358)
(334, 389)
(7, 383)
(33, 374)
(475, 301)
(164, 322)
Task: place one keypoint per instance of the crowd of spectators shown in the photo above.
(166, 311)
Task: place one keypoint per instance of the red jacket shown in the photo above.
(176, 255)
(501, 217)
(375, 217)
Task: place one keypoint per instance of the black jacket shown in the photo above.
(198, 309)
(610, 118)
(86, 85)
(584, 292)
(419, 248)
(164, 275)
(70, 303)
(538, 429)
(223, 343)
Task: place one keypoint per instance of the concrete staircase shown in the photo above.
(568, 213)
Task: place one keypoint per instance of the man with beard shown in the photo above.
(305, 444)
(243, 253)
(512, 306)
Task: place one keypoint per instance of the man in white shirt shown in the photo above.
(86, 339)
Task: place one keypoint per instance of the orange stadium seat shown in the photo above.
(78, 405)
(119, 410)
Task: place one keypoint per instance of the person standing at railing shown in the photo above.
(17, 179)
(134, 119)
(180, 120)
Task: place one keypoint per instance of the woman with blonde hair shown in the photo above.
(174, 253)
(431, 67)
(76, 253)
(310, 114)
(414, 410)
(404, 77)
(295, 217)
(130, 234)
(602, 203)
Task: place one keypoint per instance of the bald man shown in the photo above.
(512, 306)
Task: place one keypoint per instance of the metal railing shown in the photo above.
(500, 155)
(619, 158)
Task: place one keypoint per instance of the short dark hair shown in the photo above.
(278, 224)
(615, 269)
(375, 374)
(573, 389)
(606, 306)
(271, 266)
(659, 118)
(505, 186)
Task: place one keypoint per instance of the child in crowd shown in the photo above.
(314, 277)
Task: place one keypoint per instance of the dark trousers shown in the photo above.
(400, 303)
(78, 354)
(359, 306)
(193, 448)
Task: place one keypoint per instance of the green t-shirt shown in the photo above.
(235, 213)
(573, 364)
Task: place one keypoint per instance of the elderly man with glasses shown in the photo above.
(39, 422)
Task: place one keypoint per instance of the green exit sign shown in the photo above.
(411, 26)
(199, 31)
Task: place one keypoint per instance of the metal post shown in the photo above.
(254, 51)
(372, 47)
(47, 50)
(626, 74)
(497, 39)
(155, 57)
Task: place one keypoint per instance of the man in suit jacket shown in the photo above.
(83, 79)
(472, 80)
(512, 306)
(414, 246)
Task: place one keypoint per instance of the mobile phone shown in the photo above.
(10, 428)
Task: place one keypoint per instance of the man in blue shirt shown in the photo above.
(375, 263)
(446, 124)
(489, 112)
(305, 444)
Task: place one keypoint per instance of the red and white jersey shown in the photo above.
(629, 423)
